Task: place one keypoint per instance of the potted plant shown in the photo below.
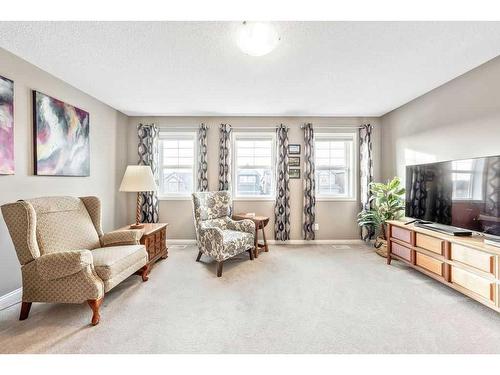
(387, 204)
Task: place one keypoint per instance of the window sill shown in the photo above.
(174, 198)
(335, 199)
(262, 199)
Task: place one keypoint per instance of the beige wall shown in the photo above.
(460, 119)
(337, 219)
(107, 143)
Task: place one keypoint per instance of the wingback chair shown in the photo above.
(217, 235)
(64, 255)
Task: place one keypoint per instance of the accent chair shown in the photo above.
(217, 235)
(64, 255)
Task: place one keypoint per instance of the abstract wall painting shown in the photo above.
(61, 138)
(6, 126)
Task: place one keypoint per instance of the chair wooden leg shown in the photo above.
(219, 268)
(144, 272)
(199, 256)
(94, 305)
(250, 252)
(25, 310)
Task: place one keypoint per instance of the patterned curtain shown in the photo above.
(202, 158)
(365, 175)
(492, 204)
(444, 190)
(492, 190)
(309, 184)
(416, 204)
(282, 205)
(148, 155)
(225, 132)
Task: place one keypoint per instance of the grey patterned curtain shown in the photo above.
(492, 204)
(148, 155)
(282, 205)
(417, 202)
(365, 175)
(444, 190)
(202, 184)
(309, 216)
(492, 191)
(225, 133)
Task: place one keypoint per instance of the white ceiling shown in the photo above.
(195, 68)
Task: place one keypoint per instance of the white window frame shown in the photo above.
(239, 134)
(476, 183)
(169, 135)
(353, 168)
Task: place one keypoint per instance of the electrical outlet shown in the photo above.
(316, 226)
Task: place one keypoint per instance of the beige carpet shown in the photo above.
(294, 299)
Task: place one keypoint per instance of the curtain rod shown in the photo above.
(177, 127)
(335, 127)
(192, 127)
(254, 127)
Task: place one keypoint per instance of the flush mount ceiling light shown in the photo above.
(257, 38)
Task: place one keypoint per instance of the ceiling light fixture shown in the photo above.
(257, 38)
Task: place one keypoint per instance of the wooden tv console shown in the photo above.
(465, 264)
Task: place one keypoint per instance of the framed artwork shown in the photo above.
(294, 149)
(61, 138)
(294, 172)
(294, 161)
(6, 126)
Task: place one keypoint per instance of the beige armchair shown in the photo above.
(64, 255)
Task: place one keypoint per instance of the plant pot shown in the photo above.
(381, 247)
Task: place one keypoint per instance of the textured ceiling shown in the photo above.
(195, 68)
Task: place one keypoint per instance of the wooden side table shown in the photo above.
(154, 239)
(260, 223)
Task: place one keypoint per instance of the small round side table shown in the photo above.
(260, 223)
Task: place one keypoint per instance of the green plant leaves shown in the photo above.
(387, 204)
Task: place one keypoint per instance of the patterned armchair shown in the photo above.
(217, 235)
(64, 255)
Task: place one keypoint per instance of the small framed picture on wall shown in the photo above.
(294, 161)
(294, 173)
(294, 149)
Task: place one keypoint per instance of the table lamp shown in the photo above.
(137, 179)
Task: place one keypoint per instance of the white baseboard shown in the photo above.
(11, 298)
(315, 242)
(289, 242)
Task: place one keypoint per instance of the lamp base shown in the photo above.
(136, 226)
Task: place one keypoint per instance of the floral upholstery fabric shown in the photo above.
(247, 226)
(57, 241)
(212, 205)
(234, 241)
(217, 235)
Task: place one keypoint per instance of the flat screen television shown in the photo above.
(462, 193)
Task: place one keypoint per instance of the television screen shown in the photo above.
(463, 193)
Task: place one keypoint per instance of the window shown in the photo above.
(467, 179)
(335, 165)
(177, 161)
(253, 171)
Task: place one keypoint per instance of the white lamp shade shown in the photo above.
(138, 178)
